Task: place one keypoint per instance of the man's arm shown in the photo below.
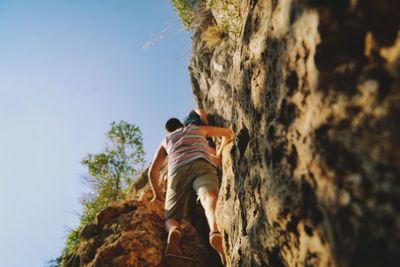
(154, 170)
(202, 114)
(210, 131)
(225, 133)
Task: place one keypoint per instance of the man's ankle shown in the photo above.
(174, 228)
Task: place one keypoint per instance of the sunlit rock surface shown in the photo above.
(131, 233)
(311, 90)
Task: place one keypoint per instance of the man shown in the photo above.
(199, 117)
(190, 167)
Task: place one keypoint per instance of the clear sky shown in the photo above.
(68, 68)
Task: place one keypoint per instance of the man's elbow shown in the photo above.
(152, 174)
(229, 133)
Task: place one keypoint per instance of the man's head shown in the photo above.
(173, 124)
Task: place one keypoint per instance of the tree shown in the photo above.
(110, 174)
(114, 169)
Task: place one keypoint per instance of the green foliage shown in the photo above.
(185, 10)
(230, 20)
(114, 169)
(110, 174)
(53, 262)
(213, 35)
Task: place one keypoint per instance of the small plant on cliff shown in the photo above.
(230, 15)
(185, 10)
(110, 174)
(213, 35)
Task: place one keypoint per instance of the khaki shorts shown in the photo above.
(198, 175)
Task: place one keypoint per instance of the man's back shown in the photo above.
(185, 145)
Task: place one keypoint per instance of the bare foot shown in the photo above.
(216, 243)
(173, 241)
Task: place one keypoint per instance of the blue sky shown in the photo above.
(68, 68)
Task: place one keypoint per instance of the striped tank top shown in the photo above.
(185, 145)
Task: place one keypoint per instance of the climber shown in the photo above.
(190, 167)
(199, 117)
(196, 117)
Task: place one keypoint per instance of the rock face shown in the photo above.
(311, 90)
(131, 234)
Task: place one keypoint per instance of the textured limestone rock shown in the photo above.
(311, 90)
(132, 234)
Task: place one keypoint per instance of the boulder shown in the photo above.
(131, 233)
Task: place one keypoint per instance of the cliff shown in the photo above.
(310, 89)
(131, 233)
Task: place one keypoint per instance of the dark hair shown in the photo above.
(173, 124)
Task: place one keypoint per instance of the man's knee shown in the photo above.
(207, 195)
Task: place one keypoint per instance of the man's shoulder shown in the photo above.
(193, 127)
(201, 130)
(164, 142)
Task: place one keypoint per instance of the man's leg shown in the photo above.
(174, 237)
(206, 186)
(178, 190)
(209, 202)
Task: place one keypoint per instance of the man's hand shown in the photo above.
(210, 131)
(154, 170)
(225, 141)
